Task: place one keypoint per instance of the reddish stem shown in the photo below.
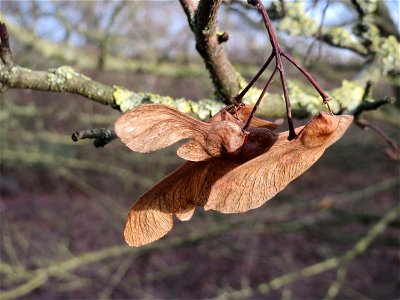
(239, 97)
(279, 65)
(259, 101)
(365, 124)
(326, 98)
(278, 53)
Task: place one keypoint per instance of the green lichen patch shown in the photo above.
(297, 23)
(302, 102)
(203, 109)
(158, 99)
(367, 6)
(207, 108)
(389, 56)
(126, 99)
(340, 36)
(348, 96)
(183, 105)
(58, 77)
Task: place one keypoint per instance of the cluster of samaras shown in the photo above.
(229, 169)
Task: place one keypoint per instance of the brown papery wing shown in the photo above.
(179, 193)
(258, 180)
(244, 112)
(193, 151)
(151, 127)
(261, 123)
(241, 115)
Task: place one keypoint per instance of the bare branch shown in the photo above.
(203, 22)
(367, 103)
(364, 124)
(189, 7)
(371, 105)
(318, 34)
(62, 79)
(101, 136)
(66, 79)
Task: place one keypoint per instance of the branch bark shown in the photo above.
(62, 79)
(66, 79)
(202, 18)
(101, 136)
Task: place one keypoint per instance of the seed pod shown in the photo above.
(232, 184)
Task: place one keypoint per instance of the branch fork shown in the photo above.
(277, 53)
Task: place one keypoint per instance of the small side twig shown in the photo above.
(259, 100)
(101, 136)
(317, 37)
(367, 104)
(364, 124)
(278, 60)
(370, 105)
(325, 97)
(238, 99)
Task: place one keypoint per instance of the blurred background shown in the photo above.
(63, 204)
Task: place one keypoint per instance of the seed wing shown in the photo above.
(151, 217)
(151, 127)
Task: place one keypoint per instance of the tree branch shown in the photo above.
(101, 136)
(62, 79)
(203, 22)
(369, 104)
(364, 124)
(66, 79)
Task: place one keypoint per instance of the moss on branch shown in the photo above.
(62, 79)
(297, 23)
(66, 79)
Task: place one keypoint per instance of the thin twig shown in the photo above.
(337, 284)
(47, 159)
(278, 53)
(317, 36)
(367, 103)
(259, 100)
(325, 97)
(101, 136)
(279, 65)
(364, 124)
(239, 97)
